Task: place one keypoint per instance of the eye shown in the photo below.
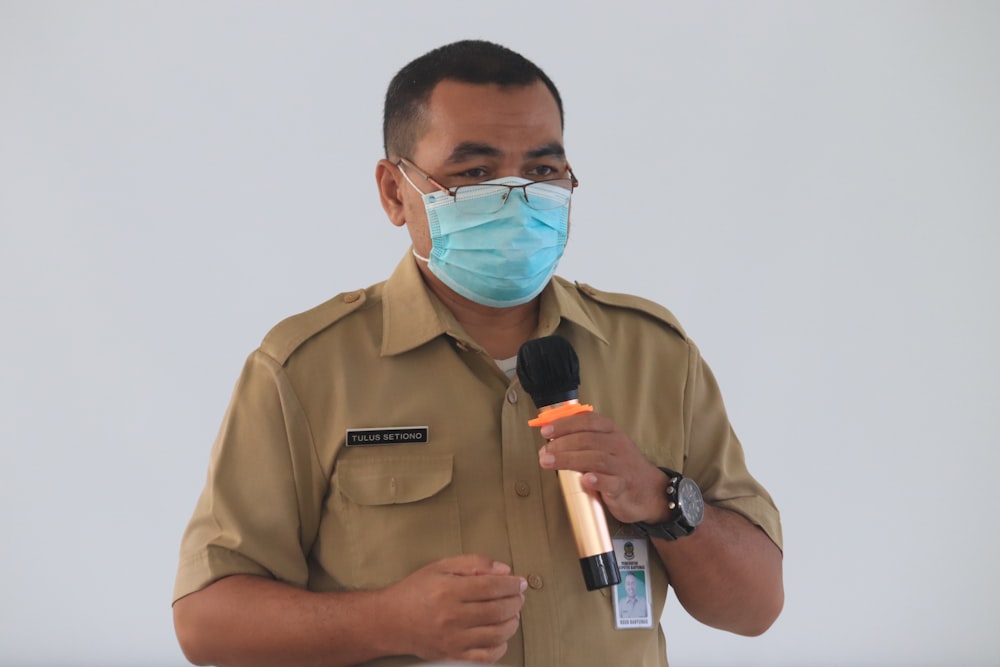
(544, 171)
(471, 175)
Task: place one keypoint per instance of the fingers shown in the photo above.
(484, 588)
(470, 608)
(563, 455)
(609, 486)
(488, 589)
(611, 464)
(488, 613)
(587, 442)
(470, 565)
(479, 578)
(488, 643)
(579, 423)
(483, 643)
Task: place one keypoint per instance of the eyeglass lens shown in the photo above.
(490, 198)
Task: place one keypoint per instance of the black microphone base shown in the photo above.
(600, 571)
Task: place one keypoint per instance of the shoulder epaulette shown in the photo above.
(290, 333)
(633, 303)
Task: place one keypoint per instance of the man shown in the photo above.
(375, 495)
(632, 605)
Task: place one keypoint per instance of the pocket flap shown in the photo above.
(393, 480)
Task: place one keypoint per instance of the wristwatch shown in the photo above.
(686, 505)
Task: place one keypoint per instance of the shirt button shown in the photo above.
(522, 489)
(512, 396)
(535, 581)
(352, 297)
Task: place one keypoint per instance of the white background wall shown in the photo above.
(812, 187)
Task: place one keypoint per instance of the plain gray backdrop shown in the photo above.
(812, 187)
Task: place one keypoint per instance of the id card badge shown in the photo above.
(633, 596)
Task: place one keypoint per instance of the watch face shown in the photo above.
(691, 502)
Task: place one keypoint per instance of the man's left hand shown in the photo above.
(631, 487)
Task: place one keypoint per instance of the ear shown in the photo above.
(390, 186)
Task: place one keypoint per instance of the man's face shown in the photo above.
(630, 585)
(473, 133)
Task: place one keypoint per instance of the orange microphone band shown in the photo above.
(569, 408)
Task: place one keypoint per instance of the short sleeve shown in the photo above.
(714, 457)
(259, 510)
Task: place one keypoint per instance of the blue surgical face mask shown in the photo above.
(499, 259)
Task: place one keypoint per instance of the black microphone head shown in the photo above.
(549, 370)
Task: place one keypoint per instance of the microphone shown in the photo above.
(549, 371)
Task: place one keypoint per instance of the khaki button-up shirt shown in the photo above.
(287, 498)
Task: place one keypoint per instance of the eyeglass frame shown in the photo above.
(574, 182)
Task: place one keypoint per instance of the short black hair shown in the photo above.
(468, 61)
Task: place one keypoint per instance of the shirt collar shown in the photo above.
(561, 301)
(412, 315)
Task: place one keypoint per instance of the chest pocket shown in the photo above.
(396, 513)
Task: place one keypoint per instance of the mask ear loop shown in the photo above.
(413, 185)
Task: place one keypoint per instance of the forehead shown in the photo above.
(514, 120)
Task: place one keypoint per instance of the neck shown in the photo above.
(500, 331)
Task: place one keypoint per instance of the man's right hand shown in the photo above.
(460, 608)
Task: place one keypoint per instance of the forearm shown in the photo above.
(727, 574)
(247, 621)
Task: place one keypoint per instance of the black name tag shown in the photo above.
(396, 435)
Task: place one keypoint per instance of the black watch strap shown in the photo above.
(675, 526)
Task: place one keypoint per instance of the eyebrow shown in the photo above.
(553, 149)
(472, 149)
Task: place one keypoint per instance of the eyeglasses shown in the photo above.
(490, 197)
